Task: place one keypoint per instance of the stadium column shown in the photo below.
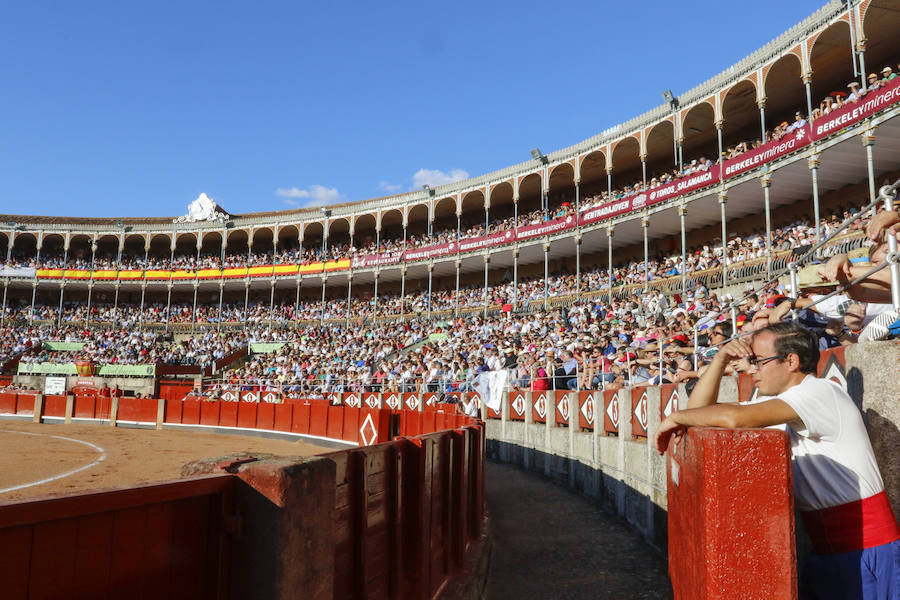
(516, 210)
(87, 316)
(487, 262)
(272, 300)
(402, 288)
(680, 160)
(246, 298)
(577, 238)
(682, 212)
(194, 313)
(349, 292)
(720, 125)
(577, 202)
(5, 289)
(222, 249)
(375, 298)
(34, 283)
(761, 103)
(861, 52)
(378, 234)
(723, 199)
(645, 225)
(546, 246)
(143, 293)
(430, 273)
(221, 297)
(515, 254)
(609, 273)
(322, 305)
(609, 182)
(814, 169)
(168, 301)
(644, 169)
(766, 182)
(296, 302)
(545, 189)
(62, 286)
(456, 296)
(807, 80)
(893, 257)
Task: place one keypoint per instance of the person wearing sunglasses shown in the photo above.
(837, 484)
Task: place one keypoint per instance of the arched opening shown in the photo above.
(391, 230)
(312, 240)
(80, 252)
(52, 249)
(237, 247)
(831, 63)
(24, 247)
(473, 217)
(785, 92)
(561, 191)
(338, 238)
(160, 249)
(662, 161)
(503, 210)
(417, 226)
(626, 162)
(364, 236)
(700, 138)
(593, 178)
(185, 251)
(133, 251)
(211, 249)
(530, 198)
(740, 114)
(263, 246)
(288, 243)
(881, 22)
(107, 252)
(444, 227)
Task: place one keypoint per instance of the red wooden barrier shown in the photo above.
(156, 541)
(318, 417)
(669, 400)
(190, 411)
(411, 401)
(209, 412)
(563, 405)
(350, 425)
(284, 415)
(586, 410)
(139, 410)
(745, 386)
(371, 400)
(174, 389)
(610, 413)
(265, 416)
(351, 399)
(539, 407)
(228, 413)
(640, 417)
(54, 406)
(246, 417)
(517, 406)
(85, 407)
(334, 425)
(746, 516)
(393, 401)
(25, 404)
(8, 403)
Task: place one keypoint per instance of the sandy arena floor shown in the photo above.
(37, 460)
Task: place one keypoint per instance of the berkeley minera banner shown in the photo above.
(373, 260)
(545, 228)
(795, 140)
(486, 241)
(430, 251)
(856, 111)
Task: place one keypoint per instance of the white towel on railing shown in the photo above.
(490, 386)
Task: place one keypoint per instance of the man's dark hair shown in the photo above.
(725, 326)
(793, 338)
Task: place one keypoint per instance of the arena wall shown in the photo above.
(610, 459)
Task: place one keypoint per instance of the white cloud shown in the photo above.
(388, 187)
(435, 177)
(314, 195)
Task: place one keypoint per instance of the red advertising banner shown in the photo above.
(856, 111)
(545, 228)
(430, 251)
(685, 185)
(795, 140)
(486, 241)
(605, 211)
(374, 260)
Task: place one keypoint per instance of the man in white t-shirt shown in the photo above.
(837, 484)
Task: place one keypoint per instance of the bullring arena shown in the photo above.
(459, 391)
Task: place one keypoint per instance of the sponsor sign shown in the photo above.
(265, 347)
(486, 241)
(56, 346)
(795, 140)
(374, 260)
(47, 368)
(854, 112)
(430, 251)
(606, 211)
(126, 370)
(19, 272)
(685, 185)
(55, 386)
(546, 228)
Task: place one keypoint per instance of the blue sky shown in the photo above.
(134, 109)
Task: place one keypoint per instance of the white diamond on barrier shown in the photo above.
(352, 401)
(640, 411)
(541, 406)
(271, 397)
(431, 400)
(367, 432)
(671, 404)
(613, 411)
(563, 407)
(412, 402)
(587, 409)
(372, 401)
(251, 397)
(519, 405)
(834, 373)
(393, 402)
(229, 397)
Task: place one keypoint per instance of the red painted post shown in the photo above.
(731, 515)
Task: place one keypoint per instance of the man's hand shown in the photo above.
(734, 350)
(667, 429)
(888, 219)
(836, 269)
